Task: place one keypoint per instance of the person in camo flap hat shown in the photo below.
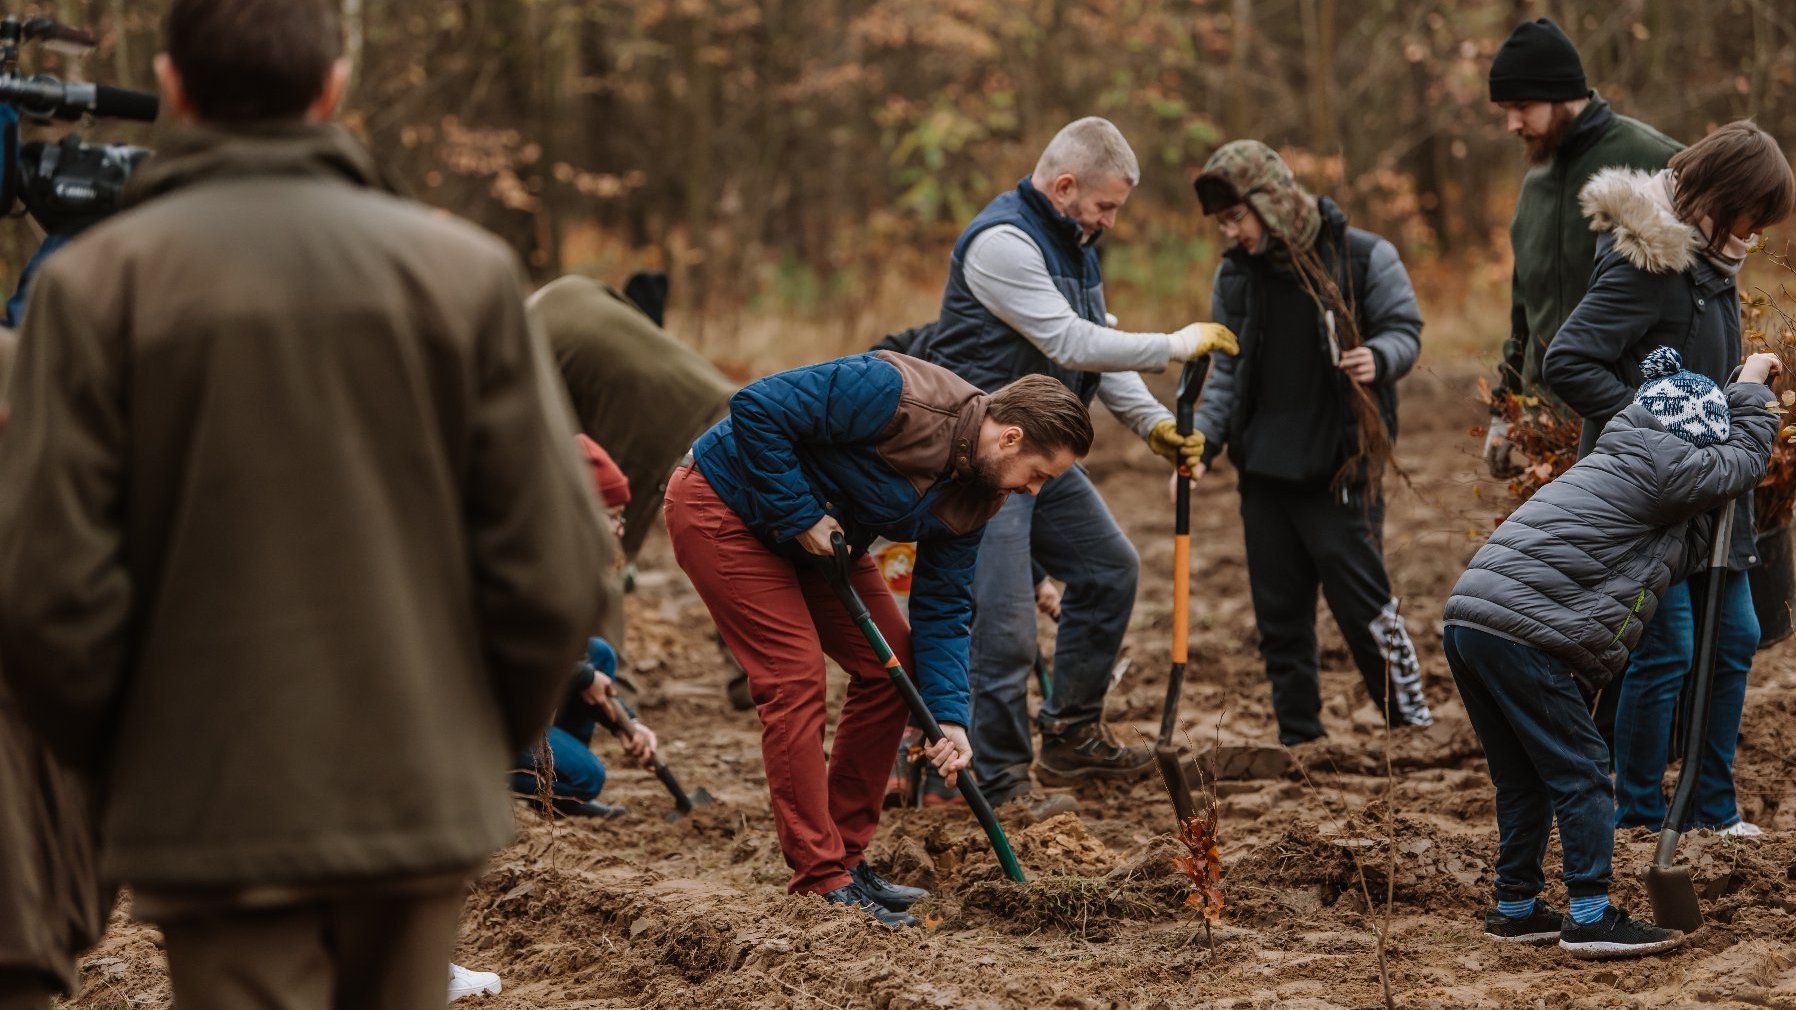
(1328, 323)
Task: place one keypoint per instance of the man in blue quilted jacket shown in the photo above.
(872, 445)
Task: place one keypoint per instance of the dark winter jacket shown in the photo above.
(1243, 297)
(295, 546)
(1649, 289)
(885, 444)
(972, 342)
(1551, 237)
(1579, 569)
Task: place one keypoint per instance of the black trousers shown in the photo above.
(1304, 537)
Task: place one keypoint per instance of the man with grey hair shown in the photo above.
(1025, 295)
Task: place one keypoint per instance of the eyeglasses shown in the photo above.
(1233, 216)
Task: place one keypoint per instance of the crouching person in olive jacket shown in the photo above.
(1548, 611)
(295, 547)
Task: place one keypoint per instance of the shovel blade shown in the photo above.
(1673, 896)
(684, 805)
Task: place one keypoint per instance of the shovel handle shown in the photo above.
(1697, 728)
(837, 573)
(1191, 385)
(627, 725)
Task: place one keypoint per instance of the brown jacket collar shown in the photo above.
(199, 153)
(934, 436)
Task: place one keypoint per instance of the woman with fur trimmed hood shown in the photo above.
(1670, 246)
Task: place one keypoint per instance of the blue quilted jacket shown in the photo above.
(883, 443)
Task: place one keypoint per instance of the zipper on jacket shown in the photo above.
(1639, 601)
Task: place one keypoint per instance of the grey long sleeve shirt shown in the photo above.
(1007, 273)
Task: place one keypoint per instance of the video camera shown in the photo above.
(66, 185)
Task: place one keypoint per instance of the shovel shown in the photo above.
(1191, 383)
(683, 801)
(837, 574)
(1669, 886)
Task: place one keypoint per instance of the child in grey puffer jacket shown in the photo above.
(1548, 610)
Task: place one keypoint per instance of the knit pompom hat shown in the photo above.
(1689, 405)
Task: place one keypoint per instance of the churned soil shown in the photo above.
(638, 912)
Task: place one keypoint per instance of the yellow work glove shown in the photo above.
(1177, 449)
(1199, 339)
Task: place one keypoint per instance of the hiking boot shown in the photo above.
(1539, 926)
(1089, 751)
(896, 897)
(1038, 805)
(463, 982)
(910, 765)
(1615, 935)
(851, 894)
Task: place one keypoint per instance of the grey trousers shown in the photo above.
(1069, 531)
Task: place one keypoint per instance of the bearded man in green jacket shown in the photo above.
(1568, 132)
(295, 547)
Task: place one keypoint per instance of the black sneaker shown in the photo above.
(851, 894)
(1539, 926)
(1089, 750)
(1615, 935)
(896, 897)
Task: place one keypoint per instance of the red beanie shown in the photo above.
(611, 484)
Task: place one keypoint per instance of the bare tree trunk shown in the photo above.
(353, 32)
(1241, 30)
(1319, 46)
(121, 45)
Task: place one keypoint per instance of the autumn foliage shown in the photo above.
(1202, 864)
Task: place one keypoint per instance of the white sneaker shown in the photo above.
(463, 982)
(1741, 829)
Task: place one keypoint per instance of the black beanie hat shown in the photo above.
(1537, 63)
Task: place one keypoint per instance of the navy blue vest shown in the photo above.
(983, 349)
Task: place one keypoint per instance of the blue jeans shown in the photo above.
(1648, 702)
(579, 774)
(1546, 759)
(1068, 530)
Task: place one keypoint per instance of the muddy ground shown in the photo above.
(640, 913)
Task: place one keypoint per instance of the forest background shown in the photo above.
(800, 168)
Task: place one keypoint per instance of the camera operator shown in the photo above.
(295, 550)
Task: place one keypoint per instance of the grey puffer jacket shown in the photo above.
(1578, 570)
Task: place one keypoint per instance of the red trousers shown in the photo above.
(780, 620)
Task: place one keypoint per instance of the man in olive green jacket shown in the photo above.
(636, 390)
(51, 904)
(1568, 132)
(295, 547)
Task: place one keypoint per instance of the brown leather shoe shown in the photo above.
(1089, 751)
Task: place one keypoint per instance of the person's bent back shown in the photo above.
(294, 549)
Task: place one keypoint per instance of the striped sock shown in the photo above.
(1589, 908)
(1517, 909)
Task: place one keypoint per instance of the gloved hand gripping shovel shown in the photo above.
(1668, 885)
(837, 572)
(1166, 756)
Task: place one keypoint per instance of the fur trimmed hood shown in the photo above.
(1622, 201)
